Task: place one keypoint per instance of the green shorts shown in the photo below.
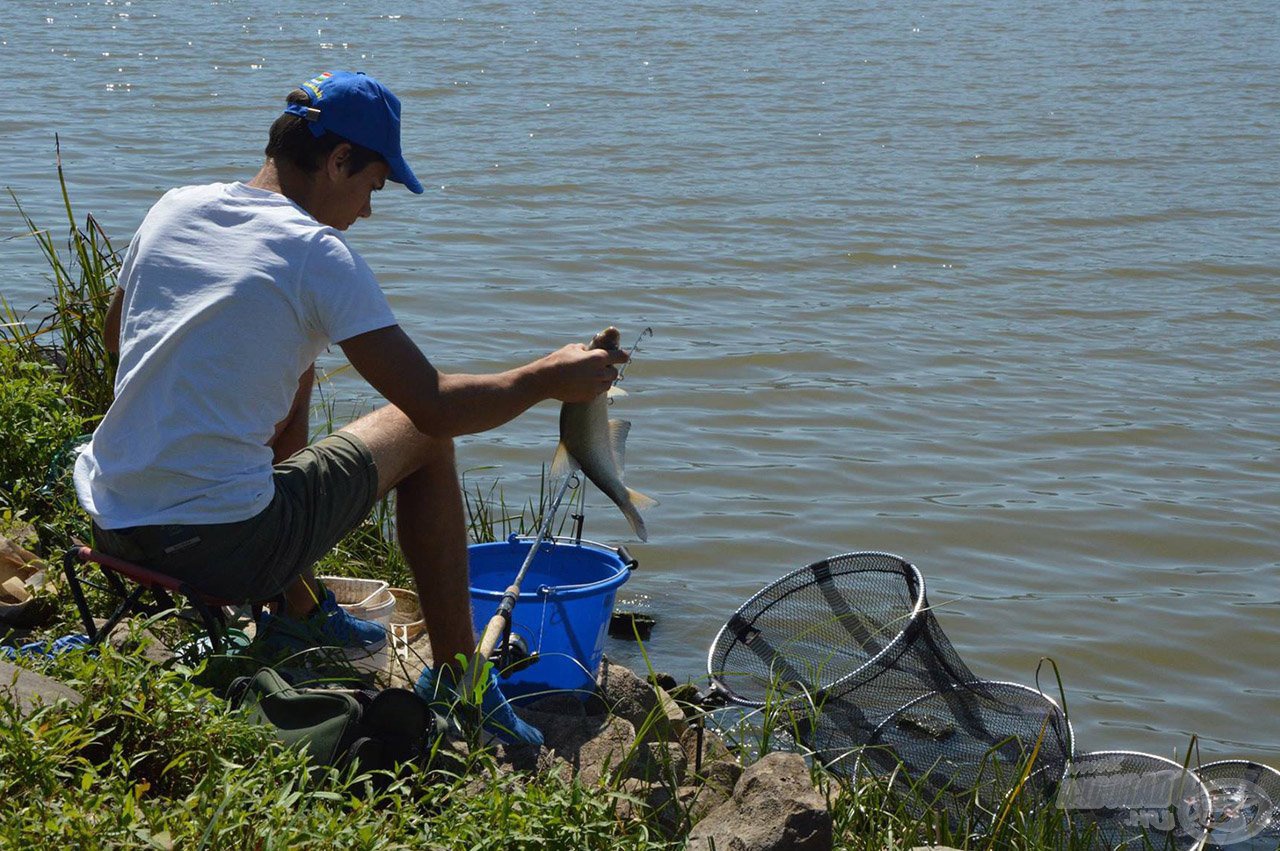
(322, 492)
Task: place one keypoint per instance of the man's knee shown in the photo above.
(399, 450)
(433, 460)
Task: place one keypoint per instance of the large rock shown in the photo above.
(593, 745)
(655, 804)
(612, 750)
(648, 707)
(564, 721)
(31, 690)
(665, 762)
(129, 637)
(774, 808)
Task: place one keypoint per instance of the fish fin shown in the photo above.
(639, 500)
(563, 463)
(615, 392)
(618, 431)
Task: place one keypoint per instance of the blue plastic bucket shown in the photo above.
(566, 600)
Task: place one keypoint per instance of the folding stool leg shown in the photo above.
(70, 563)
(116, 583)
(214, 624)
(70, 567)
(162, 587)
(127, 605)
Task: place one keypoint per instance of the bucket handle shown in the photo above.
(546, 592)
(628, 560)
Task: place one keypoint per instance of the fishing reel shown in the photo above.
(512, 654)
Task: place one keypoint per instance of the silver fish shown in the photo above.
(596, 445)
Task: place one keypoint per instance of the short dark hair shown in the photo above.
(291, 139)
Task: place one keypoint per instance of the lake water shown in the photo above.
(989, 285)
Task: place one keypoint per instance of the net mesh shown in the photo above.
(971, 745)
(1134, 800)
(856, 623)
(853, 637)
(1244, 802)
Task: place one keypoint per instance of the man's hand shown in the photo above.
(575, 373)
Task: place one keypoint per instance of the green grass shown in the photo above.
(149, 760)
(38, 425)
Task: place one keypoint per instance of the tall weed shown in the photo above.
(70, 336)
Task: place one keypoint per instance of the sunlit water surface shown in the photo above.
(988, 285)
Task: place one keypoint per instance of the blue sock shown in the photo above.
(498, 716)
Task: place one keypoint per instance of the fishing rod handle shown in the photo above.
(492, 635)
(498, 623)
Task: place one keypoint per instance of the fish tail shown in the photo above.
(636, 501)
(639, 500)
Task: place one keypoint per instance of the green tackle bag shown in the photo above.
(373, 730)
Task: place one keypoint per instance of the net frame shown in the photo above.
(1123, 792)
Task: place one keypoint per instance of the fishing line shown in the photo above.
(635, 347)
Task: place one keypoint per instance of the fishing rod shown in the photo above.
(500, 623)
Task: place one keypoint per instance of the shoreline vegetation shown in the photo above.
(151, 759)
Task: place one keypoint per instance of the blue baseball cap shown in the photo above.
(361, 110)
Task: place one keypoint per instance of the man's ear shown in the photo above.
(337, 161)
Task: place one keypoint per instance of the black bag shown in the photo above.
(374, 730)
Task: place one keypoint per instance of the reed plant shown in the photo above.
(491, 518)
(56, 375)
(371, 551)
(69, 335)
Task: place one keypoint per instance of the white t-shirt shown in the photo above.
(230, 293)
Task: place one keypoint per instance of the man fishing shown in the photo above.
(227, 294)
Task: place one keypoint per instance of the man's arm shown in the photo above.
(111, 325)
(292, 431)
(447, 405)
